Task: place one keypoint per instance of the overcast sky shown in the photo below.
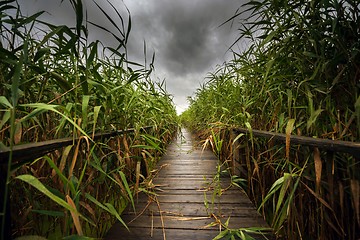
(184, 34)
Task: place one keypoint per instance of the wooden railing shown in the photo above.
(25, 153)
(326, 144)
(330, 171)
(352, 148)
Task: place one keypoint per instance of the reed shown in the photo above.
(55, 82)
(299, 75)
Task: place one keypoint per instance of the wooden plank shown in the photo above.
(193, 175)
(184, 172)
(197, 158)
(198, 197)
(187, 209)
(188, 168)
(195, 222)
(183, 183)
(170, 234)
(137, 233)
(189, 162)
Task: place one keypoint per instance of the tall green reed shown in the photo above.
(56, 83)
(299, 75)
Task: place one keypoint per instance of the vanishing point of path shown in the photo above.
(180, 211)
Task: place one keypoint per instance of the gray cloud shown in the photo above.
(185, 33)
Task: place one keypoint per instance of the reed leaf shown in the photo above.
(126, 185)
(106, 208)
(59, 173)
(288, 130)
(33, 181)
(84, 108)
(318, 169)
(75, 216)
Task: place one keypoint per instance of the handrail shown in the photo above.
(25, 152)
(332, 145)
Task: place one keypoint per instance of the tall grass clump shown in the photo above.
(56, 83)
(299, 75)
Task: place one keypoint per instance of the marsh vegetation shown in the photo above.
(299, 75)
(54, 83)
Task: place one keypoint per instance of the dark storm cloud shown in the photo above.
(186, 33)
(62, 13)
(194, 38)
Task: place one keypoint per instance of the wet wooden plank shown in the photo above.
(198, 197)
(185, 206)
(170, 234)
(187, 209)
(174, 221)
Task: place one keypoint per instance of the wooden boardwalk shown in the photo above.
(180, 211)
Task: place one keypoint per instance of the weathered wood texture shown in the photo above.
(326, 144)
(179, 212)
(30, 151)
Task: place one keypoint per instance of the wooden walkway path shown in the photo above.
(179, 210)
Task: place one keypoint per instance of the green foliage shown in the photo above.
(55, 82)
(298, 75)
